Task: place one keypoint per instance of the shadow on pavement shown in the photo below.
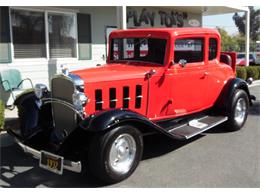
(30, 175)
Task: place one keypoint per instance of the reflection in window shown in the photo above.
(139, 49)
(28, 34)
(212, 48)
(5, 55)
(190, 50)
(62, 35)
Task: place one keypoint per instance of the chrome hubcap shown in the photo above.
(122, 153)
(240, 110)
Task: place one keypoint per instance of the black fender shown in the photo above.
(32, 116)
(28, 112)
(227, 92)
(107, 120)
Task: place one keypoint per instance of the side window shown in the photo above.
(213, 46)
(190, 49)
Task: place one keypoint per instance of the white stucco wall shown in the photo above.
(39, 70)
(42, 70)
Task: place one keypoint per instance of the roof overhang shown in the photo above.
(208, 10)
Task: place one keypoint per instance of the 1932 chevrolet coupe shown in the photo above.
(173, 81)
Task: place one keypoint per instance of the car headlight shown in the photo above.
(39, 90)
(79, 99)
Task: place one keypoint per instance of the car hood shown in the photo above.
(112, 72)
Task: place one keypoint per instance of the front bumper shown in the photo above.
(67, 164)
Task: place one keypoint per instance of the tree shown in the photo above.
(254, 23)
(228, 43)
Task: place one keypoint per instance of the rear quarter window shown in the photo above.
(213, 47)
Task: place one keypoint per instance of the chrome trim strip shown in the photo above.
(67, 164)
(100, 102)
(114, 100)
(71, 106)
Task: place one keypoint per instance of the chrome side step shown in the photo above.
(196, 126)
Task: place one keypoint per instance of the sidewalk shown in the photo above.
(11, 117)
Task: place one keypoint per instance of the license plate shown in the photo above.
(51, 162)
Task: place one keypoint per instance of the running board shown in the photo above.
(195, 126)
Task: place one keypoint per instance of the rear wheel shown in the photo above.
(238, 110)
(114, 155)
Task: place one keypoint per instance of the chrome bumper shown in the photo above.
(67, 164)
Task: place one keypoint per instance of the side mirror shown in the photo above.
(182, 63)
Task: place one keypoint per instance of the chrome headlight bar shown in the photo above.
(79, 99)
(39, 90)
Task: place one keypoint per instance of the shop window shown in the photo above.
(28, 34)
(5, 54)
(84, 36)
(190, 49)
(213, 45)
(62, 35)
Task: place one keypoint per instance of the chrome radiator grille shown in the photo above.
(64, 118)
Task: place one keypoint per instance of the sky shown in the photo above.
(224, 21)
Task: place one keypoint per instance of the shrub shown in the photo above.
(241, 72)
(258, 69)
(2, 117)
(253, 72)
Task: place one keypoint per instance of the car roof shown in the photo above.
(172, 31)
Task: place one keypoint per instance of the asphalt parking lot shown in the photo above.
(218, 158)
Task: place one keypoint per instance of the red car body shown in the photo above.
(174, 91)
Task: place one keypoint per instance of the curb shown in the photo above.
(255, 83)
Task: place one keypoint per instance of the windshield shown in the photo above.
(138, 49)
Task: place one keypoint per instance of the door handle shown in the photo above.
(206, 73)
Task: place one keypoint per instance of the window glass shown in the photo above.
(213, 46)
(5, 56)
(139, 49)
(28, 34)
(62, 35)
(190, 49)
(84, 36)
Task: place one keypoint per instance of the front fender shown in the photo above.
(32, 115)
(28, 112)
(106, 120)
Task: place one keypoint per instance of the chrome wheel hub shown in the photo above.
(240, 111)
(122, 153)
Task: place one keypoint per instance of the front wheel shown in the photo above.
(114, 155)
(238, 110)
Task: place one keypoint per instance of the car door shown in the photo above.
(188, 76)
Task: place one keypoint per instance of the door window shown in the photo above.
(189, 49)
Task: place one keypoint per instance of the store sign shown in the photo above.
(194, 23)
(168, 19)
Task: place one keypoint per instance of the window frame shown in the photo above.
(46, 25)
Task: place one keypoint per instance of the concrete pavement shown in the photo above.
(217, 158)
